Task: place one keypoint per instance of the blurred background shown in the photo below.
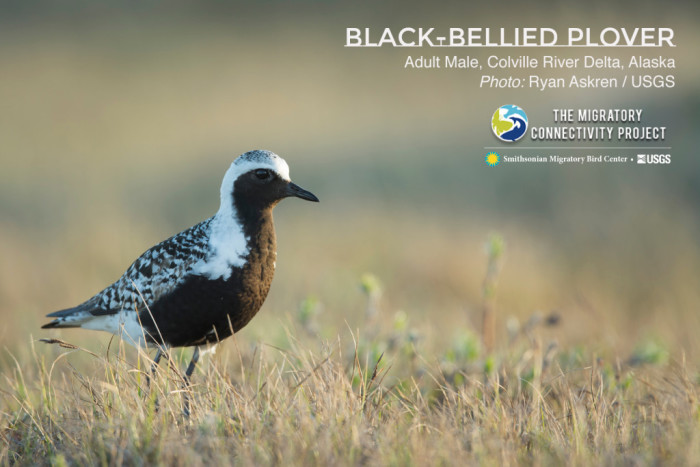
(119, 119)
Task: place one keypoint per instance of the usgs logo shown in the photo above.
(653, 158)
(653, 81)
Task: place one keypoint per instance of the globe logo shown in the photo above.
(509, 123)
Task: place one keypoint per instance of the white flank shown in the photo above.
(123, 324)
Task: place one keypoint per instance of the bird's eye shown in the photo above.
(262, 174)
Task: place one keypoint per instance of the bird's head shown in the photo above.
(259, 180)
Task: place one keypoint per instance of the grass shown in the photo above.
(378, 395)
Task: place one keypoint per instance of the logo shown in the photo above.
(492, 159)
(653, 158)
(509, 123)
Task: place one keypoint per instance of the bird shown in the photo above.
(205, 283)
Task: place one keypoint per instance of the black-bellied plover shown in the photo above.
(205, 283)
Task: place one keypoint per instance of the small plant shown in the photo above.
(495, 247)
(649, 352)
(308, 311)
(372, 288)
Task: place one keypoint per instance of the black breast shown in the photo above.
(203, 310)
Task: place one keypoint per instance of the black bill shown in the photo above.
(295, 190)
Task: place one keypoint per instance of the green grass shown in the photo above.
(377, 395)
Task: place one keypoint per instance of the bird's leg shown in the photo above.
(188, 375)
(152, 373)
(193, 362)
(156, 359)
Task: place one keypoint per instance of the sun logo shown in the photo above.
(492, 159)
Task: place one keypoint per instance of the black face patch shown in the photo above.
(259, 189)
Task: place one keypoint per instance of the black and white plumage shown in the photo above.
(206, 282)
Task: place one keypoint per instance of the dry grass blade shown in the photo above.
(60, 343)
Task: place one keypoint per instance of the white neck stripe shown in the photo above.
(228, 246)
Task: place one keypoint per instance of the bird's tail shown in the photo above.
(68, 318)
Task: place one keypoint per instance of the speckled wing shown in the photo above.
(154, 274)
(158, 271)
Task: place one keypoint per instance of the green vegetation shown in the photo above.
(376, 396)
